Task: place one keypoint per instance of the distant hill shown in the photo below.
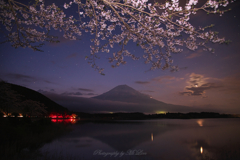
(15, 98)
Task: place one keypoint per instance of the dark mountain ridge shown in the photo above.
(15, 95)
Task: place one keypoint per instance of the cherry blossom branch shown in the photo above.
(156, 28)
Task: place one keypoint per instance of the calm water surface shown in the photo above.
(168, 139)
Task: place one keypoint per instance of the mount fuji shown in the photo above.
(120, 99)
(124, 93)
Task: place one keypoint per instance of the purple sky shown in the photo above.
(204, 80)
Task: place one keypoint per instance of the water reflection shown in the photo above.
(201, 149)
(200, 122)
(182, 137)
(61, 120)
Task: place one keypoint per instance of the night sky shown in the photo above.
(204, 80)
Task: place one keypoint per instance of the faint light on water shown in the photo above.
(201, 150)
(69, 120)
(152, 136)
(200, 122)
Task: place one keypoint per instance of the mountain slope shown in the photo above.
(12, 95)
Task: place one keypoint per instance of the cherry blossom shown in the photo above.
(160, 29)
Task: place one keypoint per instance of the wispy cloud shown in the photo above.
(148, 91)
(72, 94)
(66, 93)
(20, 77)
(182, 68)
(160, 80)
(194, 55)
(26, 78)
(61, 39)
(91, 94)
(48, 82)
(42, 91)
(50, 91)
(163, 79)
(231, 84)
(53, 62)
(142, 82)
(85, 89)
(73, 55)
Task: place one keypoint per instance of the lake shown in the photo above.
(163, 139)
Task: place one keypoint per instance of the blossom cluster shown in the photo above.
(28, 25)
(159, 29)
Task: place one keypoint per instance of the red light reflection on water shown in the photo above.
(55, 116)
(57, 120)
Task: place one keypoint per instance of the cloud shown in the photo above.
(84, 89)
(197, 85)
(72, 56)
(163, 79)
(91, 94)
(46, 92)
(142, 82)
(61, 39)
(53, 62)
(182, 68)
(196, 80)
(42, 91)
(148, 91)
(66, 93)
(26, 78)
(194, 55)
(199, 91)
(231, 84)
(48, 82)
(21, 77)
(71, 94)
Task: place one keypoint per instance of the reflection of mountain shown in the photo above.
(120, 136)
(172, 139)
